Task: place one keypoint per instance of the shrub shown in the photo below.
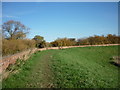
(13, 46)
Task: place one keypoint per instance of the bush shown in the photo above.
(14, 46)
(63, 42)
(97, 40)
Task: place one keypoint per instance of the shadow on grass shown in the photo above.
(116, 64)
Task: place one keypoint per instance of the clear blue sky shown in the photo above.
(71, 19)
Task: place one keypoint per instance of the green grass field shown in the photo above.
(82, 67)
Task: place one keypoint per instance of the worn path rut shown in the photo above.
(42, 76)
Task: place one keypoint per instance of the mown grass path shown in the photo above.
(41, 75)
(35, 73)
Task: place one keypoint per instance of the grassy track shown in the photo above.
(35, 73)
(85, 67)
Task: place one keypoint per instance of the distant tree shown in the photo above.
(63, 42)
(38, 38)
(40, 42)
(54, 43)
(83, 41)
(14, 30)
(112, 38)
(97, 40)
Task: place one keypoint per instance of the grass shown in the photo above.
(85, 67)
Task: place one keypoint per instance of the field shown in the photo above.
(81, 67)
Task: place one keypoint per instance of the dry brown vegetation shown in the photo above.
(97, 40)
(14, 46)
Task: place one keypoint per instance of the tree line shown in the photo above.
(96, 40)
(14, 39)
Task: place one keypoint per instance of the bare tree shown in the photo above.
(14, 30)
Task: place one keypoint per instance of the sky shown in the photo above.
(54, 20)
